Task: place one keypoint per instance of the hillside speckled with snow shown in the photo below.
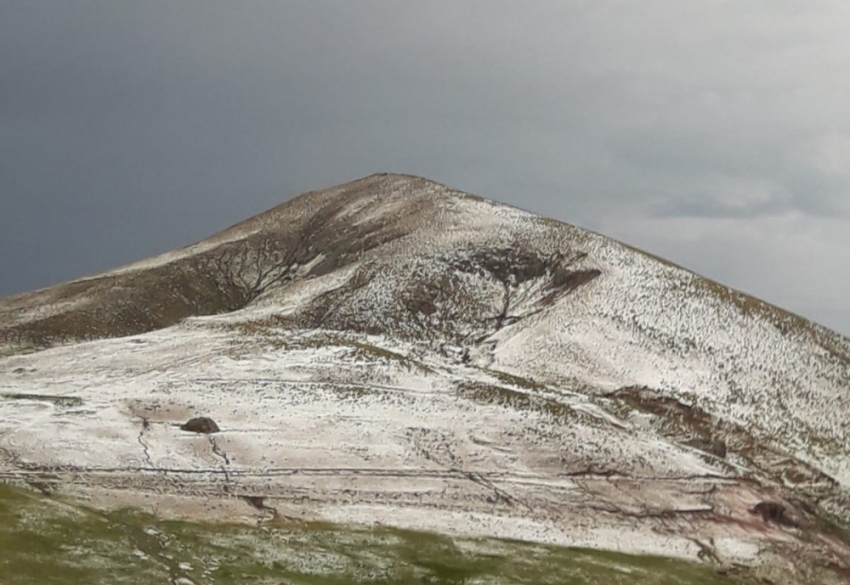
(394, 351)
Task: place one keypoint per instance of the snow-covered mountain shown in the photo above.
(395, 351)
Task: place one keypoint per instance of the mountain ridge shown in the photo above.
(233, 232)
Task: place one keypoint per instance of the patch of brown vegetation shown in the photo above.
(690, 425)
(800, 492)
(507, 397)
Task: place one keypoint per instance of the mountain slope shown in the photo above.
(394, 350)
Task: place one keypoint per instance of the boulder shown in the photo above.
(773, 512)
(201, 424)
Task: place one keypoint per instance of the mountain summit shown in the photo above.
(392, 350)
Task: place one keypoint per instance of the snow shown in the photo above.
(369, 439)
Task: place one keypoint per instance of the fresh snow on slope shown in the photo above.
(316, 413)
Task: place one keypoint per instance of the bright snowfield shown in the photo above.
(395, 352)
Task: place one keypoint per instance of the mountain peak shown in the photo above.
(325, 230)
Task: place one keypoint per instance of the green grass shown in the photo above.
(45, 540)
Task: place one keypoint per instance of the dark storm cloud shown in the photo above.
(129, 128)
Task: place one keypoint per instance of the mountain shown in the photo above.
(393, 351)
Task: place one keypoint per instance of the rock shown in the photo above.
(201, 424)
(773, 512)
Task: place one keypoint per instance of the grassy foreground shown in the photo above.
(46, 540)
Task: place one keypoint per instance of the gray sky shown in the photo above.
(714, 133)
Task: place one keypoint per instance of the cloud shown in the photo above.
(727, 197)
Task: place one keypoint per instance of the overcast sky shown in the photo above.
(715, 133)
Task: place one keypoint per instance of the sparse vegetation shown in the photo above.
(518, 381)
(507, 397)
(270, 334)
(787, 323)
(45, 540)
(65, 401)
(15, 349)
